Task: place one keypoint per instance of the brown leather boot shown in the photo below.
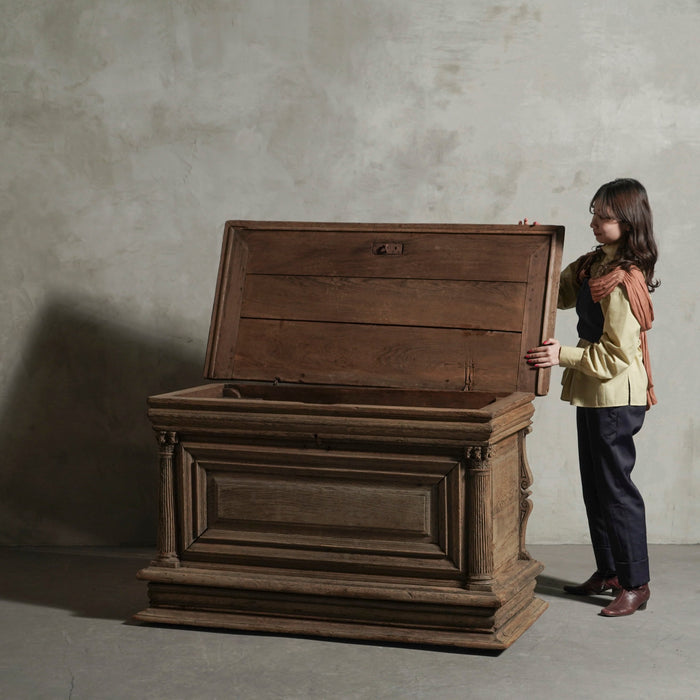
(628, 601)
(596, 585)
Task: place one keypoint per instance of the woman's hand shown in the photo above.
(546, 355)
(525, 222)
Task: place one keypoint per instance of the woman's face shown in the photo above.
(606, 229)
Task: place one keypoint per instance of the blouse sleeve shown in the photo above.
(618, 345)
(568, 287)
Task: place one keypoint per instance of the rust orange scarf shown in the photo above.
(640, 303)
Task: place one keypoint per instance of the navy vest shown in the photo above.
(590, 315)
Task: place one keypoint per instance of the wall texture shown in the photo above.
(131, 130)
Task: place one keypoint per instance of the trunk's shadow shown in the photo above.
(79, 463)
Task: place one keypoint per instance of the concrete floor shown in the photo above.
(66, 633)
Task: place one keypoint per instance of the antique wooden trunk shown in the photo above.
(358, 469)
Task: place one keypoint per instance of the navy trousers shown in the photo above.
(614, 506)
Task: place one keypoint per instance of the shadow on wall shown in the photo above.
(79, 458)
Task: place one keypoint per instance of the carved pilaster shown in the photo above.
(525, 484)
(167, 547)
(479, 517)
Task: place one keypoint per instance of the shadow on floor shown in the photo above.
(89, 582)
(554, 587)
(100, 583)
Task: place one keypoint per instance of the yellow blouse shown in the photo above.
(610, 372)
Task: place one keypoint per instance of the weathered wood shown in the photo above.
(415, 302)
(525, 493)
(330, 353)
(458, 256)
(480, 564)
(360, 472)
(356, 302)
(226, 313)
(505, 477)
(167, 545)
(533, 317)
(404, 399)
(320, 507)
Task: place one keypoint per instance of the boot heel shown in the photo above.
(643, 606)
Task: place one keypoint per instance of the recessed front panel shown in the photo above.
(317, 506)
(324, 510)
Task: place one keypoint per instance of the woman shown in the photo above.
(607, 377)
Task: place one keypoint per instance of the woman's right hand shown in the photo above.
(546, 355)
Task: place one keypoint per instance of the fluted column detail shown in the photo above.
(479, 517)
(167, 545)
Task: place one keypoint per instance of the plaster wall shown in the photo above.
(131, 131)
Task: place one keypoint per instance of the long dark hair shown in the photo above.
(626, 200)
